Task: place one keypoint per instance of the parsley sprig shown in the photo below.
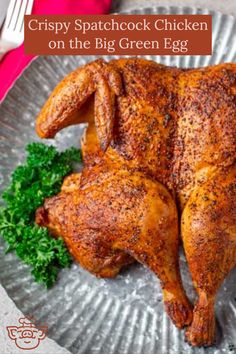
(40, 177)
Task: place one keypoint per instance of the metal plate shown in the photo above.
(85, 314)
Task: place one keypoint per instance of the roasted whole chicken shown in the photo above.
(159, 162)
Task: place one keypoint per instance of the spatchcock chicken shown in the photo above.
(159, 158)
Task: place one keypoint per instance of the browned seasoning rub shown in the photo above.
(159, 155)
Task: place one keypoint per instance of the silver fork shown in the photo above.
(12, 34)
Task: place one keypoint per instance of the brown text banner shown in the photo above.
(118, 34)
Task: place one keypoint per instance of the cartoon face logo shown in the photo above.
(27, 336)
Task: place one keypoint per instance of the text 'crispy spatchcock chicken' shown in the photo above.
(159, 156)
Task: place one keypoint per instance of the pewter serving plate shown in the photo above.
(84, 314)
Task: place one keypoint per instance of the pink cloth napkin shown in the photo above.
(15, 61)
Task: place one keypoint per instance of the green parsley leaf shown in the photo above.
(40, 177)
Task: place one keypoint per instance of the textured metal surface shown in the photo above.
(84, 314)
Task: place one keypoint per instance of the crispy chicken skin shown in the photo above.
(159, 155)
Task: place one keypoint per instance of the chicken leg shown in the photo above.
(209, 236)
(117, 218)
